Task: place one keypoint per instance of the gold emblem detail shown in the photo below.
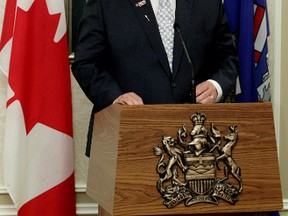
(189, 172)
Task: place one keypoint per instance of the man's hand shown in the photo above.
(129, 98)
(206, 93)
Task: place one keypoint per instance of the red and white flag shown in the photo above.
(38, 149)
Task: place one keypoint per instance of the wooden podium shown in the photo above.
(122, 169)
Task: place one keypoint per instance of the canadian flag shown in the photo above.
(38, 149)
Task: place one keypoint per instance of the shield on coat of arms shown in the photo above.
(201, 172)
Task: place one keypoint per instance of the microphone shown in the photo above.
(193, 92)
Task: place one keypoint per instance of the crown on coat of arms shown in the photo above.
(198, 119)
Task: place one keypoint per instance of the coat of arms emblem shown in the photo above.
(188, 164)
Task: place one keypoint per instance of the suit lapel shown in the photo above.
(183, 15)
(144, 11)
(145, 14)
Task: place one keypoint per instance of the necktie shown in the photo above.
(165, 19)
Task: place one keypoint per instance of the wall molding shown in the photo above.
(78, 189)
(276, 97)
(8, 210)
(285, 205)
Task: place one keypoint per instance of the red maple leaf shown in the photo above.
(39, 71)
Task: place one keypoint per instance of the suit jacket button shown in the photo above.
(174, 84)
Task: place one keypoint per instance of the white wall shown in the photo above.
(283, 140)
(278, 47)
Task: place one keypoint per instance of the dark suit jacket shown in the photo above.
(120, 50)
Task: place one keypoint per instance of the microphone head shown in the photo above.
(176, 26)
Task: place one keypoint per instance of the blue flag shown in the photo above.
(249, 21)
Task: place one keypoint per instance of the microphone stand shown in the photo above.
(193, 91)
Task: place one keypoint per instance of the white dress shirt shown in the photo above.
(154, 4)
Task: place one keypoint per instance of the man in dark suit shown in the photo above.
(120, 56)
